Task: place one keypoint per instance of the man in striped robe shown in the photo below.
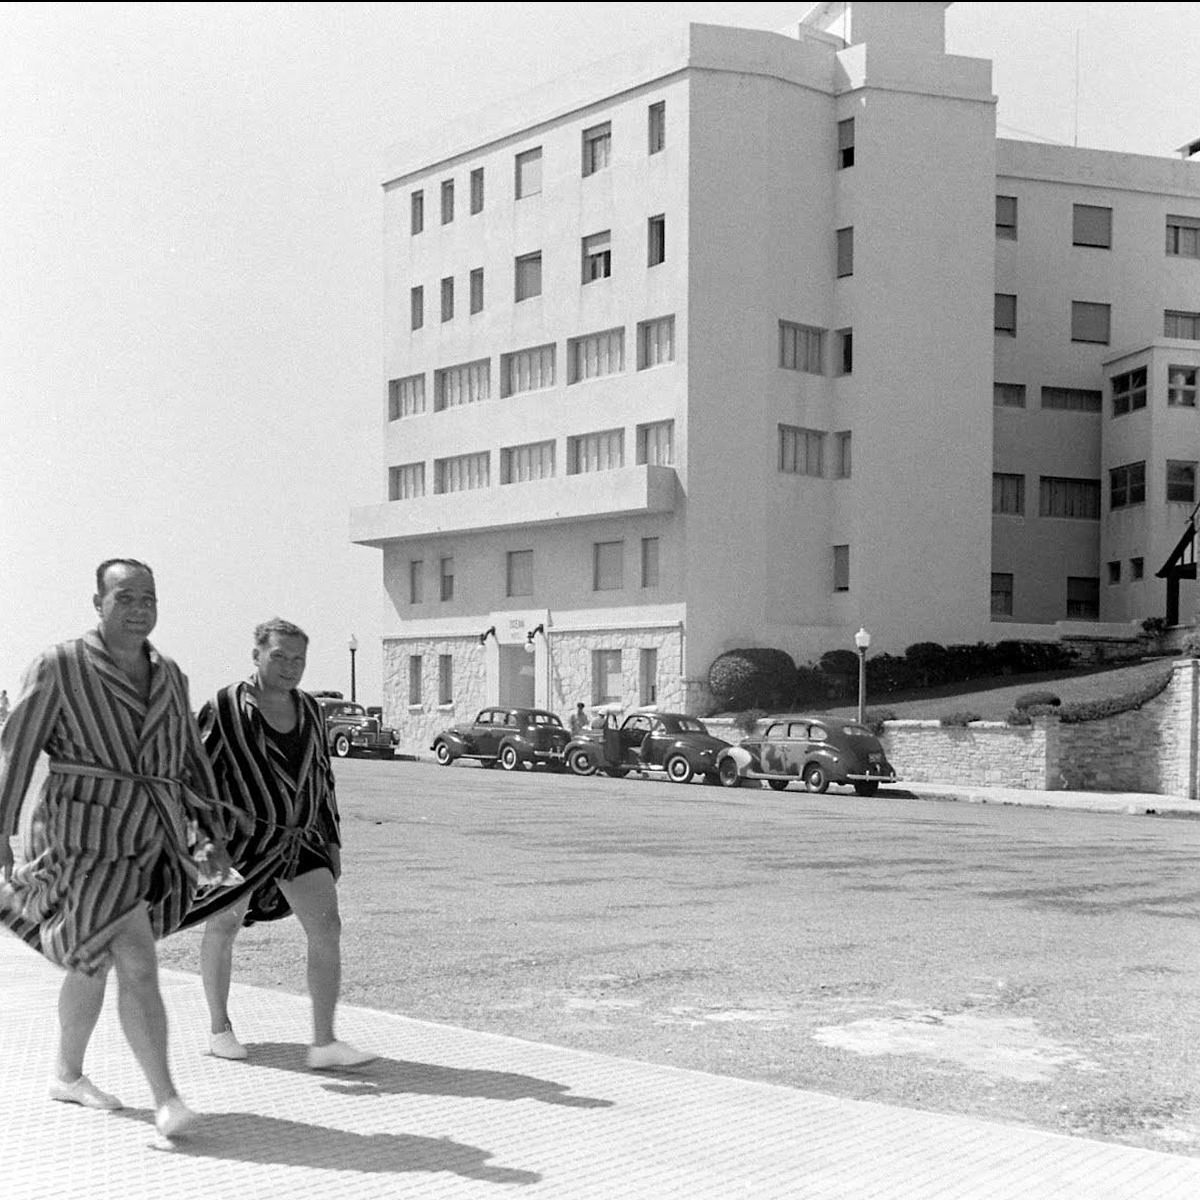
(110, 862)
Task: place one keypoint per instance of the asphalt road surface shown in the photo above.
(1019, 964)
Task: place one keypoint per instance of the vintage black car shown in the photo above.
(511, 737)
(813, 750)
(647, 741)
(349, 729)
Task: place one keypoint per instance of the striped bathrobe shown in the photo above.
(129, 785)
(281, 812)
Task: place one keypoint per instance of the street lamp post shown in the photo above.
(862, 639)
(353, 682)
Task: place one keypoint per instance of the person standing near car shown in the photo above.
(266, 741)
(578, 721)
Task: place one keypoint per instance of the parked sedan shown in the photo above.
(675, 743)
(351, 729)
(813, 750)
(512, 737)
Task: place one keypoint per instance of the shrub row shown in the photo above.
(1093, 710)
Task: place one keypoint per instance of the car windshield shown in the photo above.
(353, 710)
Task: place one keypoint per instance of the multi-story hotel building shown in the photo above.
(754, 339)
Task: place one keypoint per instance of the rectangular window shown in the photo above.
(650, 562)
(1127, 485)
(1008, 395)
(1183, 236)
(477, 290)
(519, 573)
(1091, 226)
(446, 577)
(1090, 322)
(1137, 568)
(1005, 320)
(656, 240)
(406, 482)
(845, 133)
(462, 472)
(1083, 598)
(648, 677)
(1114, 571)
(657, 125)
(801, 451)
(607, 682)
(529, 173)
(416, 581)
(597, 148)
(1006, 218)
(608, 566)
(595, 355)
(597, 256)
(603, 451)
(1128, 391)
(477, 190)
(1181, 325)
(416, 306)
(528, 276)
(520, 464)
(1181, 481)
(1078, 499)
(447, 201)
(445, 679)
(414, 679)
(1181, 387)
(465, 383)
(406, 397)
(527, 370)
(1072, 399)
(656, 342)
(656, 444)
(448, 298)
(845, 251)
(801, 348)
(1008, 494)
(1002, 594)
(841, 568)
(416, 212)
(843, 454)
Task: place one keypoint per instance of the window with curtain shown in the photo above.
(407, 481)
(656, 443)
(595, 355)
(656, 342)
(801, 451)
(1078, 499)
(406, 397)
(462, 473)
(527, 370)
(520, 464)
(1008, 494)
(801, 347)
(601, 451)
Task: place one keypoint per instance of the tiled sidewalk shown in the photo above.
(446, 1112)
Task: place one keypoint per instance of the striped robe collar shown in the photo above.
(145, 715)
(248, 698)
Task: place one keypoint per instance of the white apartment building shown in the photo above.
(691, 351)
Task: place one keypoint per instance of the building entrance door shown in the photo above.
(516, 677)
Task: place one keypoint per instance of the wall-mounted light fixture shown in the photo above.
(530, 635)
(490, 631)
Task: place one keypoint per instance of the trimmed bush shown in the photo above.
(1018, 716)
(874, 718)
(757, 677)
(928, 660)
(839, 662)
(1191, 645)
(1037, 699)
(960, 718)
(1111, 706)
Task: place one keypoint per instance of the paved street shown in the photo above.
(1022, 965)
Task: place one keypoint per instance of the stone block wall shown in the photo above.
(984, 753)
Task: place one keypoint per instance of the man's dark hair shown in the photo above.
(102, 570)
(262, 633)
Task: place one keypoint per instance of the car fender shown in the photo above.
(457, 743)
(743, 758)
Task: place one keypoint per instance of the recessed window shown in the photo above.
(1181, 387)
(607, 682)
(656, 240)
(1005, 321)
(657, 125)
(527, 370)
(845, 351)
(650, 562)
(521, 464)
(608, 566)
(801, 451)
(1127, 485)
(1083, 598)
(595, 355)
(528, 276)
(445, 679)
(416, 581)
(1181, 481)
(406, 397)
(1072, 499)
(841, 568)
(1008, 395)
(1090, 322)
(414, 680)
(416, 205)
(477, 190)
(1137, 568)
(477, 290)
(448, 298)
(1072, 399)
(1128, 391)
(519, 573)
(845, 131)
(528, 173)
(597, 148)
(600, 451)
(845, 251)
(462, 473)
(1002, 594)
(1006, 218)
(801, 348)
(1008, 494)
(407, 481)
(447, 201)
(416, 307)
(1184, 325)
(842, 449)
(656, 444)
(1091, 226)
(1114, 571)
(656, 342)
(648, 676)
(1183, 236)
(446, 576)
(464, 383)
(597, 256)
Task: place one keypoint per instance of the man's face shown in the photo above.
(128, 606)
(281, 661)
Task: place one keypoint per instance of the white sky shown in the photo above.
(191, 286)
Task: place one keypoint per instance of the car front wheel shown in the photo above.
(579, 762)
(815, 779)
(341, 746)
(729, 774)
(510, 760)
(442, 753)
(679, 770)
